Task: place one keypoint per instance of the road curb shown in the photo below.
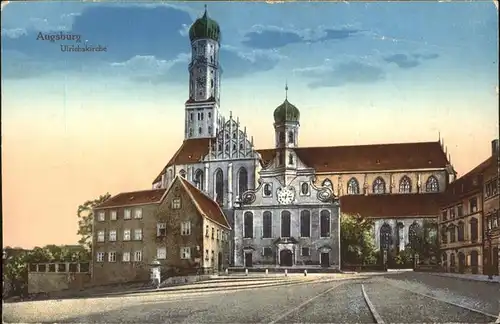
(495, 281)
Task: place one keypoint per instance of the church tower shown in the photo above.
(286, 128)
(202, 118)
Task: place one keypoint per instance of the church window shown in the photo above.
(242, 181)
(405, 185)
(379, 186)
(327, 183)
(190, 132)
(305, 223)
(227, 147)
(385, 236)
(432, 184)
(200, 93)
(191, 116)
(267, 224)
(212, 83)
(452, 231)
(200, 131)
(220, 147)
(209, 130)
(248, 225)
(219, 187)
(291, 140)
(353, 187)
(285, 223)
(234, 135)
(290, 159)
(281, 158)
(241, 146)
(234, 147)
(325, 223)
(198, 179)
(268, 190)
(182, 173)
(305, 251)
(304, 188)
(201, 115)
(413, 232)
(227, 136)
(209, 115)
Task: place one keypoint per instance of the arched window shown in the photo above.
(242, 181)
(182, 173)
(285, 223)
(268, 190)
(219, 187)
(281, 158)
(304, 188)
(452, 262)
(327, 183)
(444, 234)
(290, 159)
(200, 130)
(432, 184)
(190, 132)
(291, 137)
(379, 186)
(413, 235)
(353, 187)
(267, 224)
(474, 230)
(385, 236)
(461, 231)
(453, 234)
(281, 138)
(324, 223)
(444, 260)
(199, 179)
(248, 225)
(305, 223)
(405, 185)
(209, 130)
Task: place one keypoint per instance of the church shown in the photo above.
(284, 203)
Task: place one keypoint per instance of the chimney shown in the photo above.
(494, 147)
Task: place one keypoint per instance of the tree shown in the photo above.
(356, 240)
(86, 218)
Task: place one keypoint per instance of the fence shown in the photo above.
(60, 267)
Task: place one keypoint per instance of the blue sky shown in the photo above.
(360, 72)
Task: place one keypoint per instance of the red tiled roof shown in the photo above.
(134, 198)
(206, 206)
(467, 184)
(374, 157)
(191, 151)
(391, 205)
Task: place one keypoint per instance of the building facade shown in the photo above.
(491, 213)
(181, 227)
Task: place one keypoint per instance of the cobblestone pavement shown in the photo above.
(326, 299)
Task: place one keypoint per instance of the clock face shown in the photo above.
(285, 196)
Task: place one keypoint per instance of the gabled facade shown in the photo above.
(133, 229)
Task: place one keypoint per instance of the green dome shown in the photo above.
(286, 112)
(203, 28)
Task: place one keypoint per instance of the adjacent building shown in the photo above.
(181, 227)
(468, 208)
(491, 212)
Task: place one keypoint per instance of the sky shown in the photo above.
(78, 125)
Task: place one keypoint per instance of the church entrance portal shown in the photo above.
(286, 258)
(325, 260)
(248, 259)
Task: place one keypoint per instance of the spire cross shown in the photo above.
(286, 90)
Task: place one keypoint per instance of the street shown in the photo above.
(359, 298)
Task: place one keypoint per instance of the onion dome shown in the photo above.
(204, 28)
(286, 112)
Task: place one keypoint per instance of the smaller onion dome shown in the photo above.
(286, 112)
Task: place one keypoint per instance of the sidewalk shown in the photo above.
(472, 277)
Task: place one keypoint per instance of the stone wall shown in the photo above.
(63, 277)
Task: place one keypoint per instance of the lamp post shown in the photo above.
(490, 257)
